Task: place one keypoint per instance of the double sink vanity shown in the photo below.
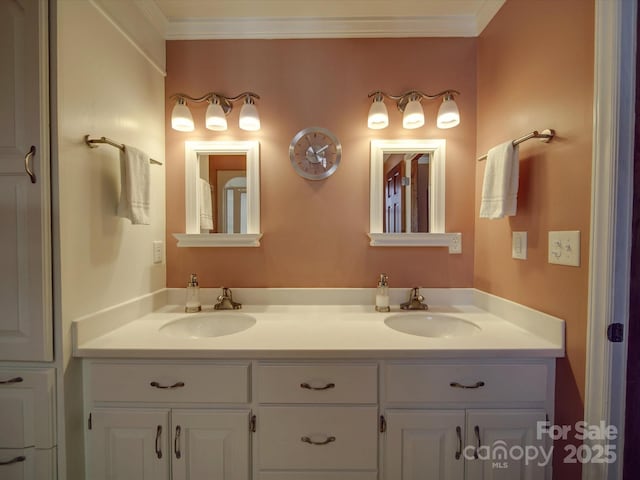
(314, 384)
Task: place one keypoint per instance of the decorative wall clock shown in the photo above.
(315, 153)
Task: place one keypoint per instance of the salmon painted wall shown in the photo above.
(535, 71)
(315, 232)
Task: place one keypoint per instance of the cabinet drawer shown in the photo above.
(331, 383)
(198, 383)
(28, 464)
(345, 438)
(414, 383)
(340, 475)
(27, 408)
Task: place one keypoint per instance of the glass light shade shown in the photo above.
(249, 119)
(378, 115)
(215, 118)
(181, 118)
(413, 115)
(448, 114)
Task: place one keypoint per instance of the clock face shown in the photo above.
(315, 153)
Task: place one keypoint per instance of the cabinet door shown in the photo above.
(501, 438)
(27, 408)
(210, 444)
(128, 444)
(422, 444)
(25, 257)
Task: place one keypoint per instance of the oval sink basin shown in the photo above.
(431, 325)
(208, 325)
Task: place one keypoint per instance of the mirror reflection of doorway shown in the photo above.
(406, 192)
(393, 199)
(223, 196)
(232, 201)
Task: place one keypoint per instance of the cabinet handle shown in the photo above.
(324, 442)
(326, 387)
(460, 385)
(459, 434)
(175, 385)
(176, 442)
(11, 380)
(158, 442)
(27, 163)
(476, 430)
(19, 459)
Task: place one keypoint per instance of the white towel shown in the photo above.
(134, 186)
(500, 184)
(206, 215)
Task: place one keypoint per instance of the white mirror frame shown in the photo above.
(437, 236)
(193, 237)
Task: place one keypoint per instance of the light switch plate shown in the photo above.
(519, 245)
(157, 251)
(564, 248)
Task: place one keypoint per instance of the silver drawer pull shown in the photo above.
(326, 387)
(11, 380)
(19, 459)
(159, 441)
(175, 385)
(460, 385)
(176, 442)
(312, 442)
(27, 163)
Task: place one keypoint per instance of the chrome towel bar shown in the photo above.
(91, 143)
(544, 136)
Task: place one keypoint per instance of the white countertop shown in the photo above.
(330, 331)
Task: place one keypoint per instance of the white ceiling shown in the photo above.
(197, 19)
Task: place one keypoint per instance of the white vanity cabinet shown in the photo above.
(168, 421)
(27, 424)
(462, 421)
(317, 421)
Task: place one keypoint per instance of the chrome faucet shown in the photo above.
(415, 301)
(225, 301)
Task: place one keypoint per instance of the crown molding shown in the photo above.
(323, 27)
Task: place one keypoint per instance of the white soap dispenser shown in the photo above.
(193, 295)
(382, 294)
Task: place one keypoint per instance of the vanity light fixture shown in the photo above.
(409, 104)
(219, 108)
(181, 118)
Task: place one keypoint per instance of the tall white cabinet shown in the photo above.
(27, 390)
(25, 246)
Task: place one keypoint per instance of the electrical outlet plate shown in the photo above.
(157, 251)
(455, 244)
(519, 245)
(564, 248)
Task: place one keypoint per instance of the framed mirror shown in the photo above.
(222, 195)
(407, 194)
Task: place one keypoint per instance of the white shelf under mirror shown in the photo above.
(434, 152)
(196, 153)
